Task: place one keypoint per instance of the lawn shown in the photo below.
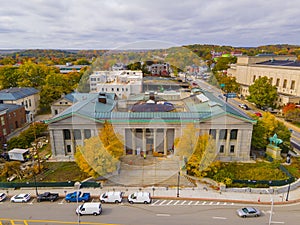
(61, 171)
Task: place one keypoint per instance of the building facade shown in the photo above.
(154, 126)
(28, 97)
(121, 82)
(283, 71)
(12, 117)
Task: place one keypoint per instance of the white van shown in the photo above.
(89, 208)
(111, 197)
(139, 197)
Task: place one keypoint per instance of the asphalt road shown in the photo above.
(160, 212)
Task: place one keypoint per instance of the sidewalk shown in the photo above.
(197, 193)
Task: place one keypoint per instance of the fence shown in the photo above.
(47, 184)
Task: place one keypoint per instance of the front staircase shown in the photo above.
(152, 171)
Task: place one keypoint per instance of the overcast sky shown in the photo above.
(113, 24)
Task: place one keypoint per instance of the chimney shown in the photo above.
(102, 98)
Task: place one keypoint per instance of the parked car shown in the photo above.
(244, 106)
(248, 212)
(139, 197)
(81, 197)
(258, 114)
(90, 208)
(21, 198)
(2, 197)
(111, 197)
(47, 196)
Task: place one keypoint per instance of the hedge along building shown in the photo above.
(150, 124)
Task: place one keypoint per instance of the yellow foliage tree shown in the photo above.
(94, 159)
(111, 141)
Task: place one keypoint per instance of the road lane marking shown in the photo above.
(162, 214)
(219, 218)
(211, 203)
(197, 202)
(203, 203)
(154, 203)
(218, 203)
(182, 202)
(190, 202)
(277, 222)
(62, 201)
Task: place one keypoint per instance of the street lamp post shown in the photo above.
(77, 184)
(288, 191)
(272, 204)
(178, 181)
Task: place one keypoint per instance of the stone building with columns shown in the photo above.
(151, 124)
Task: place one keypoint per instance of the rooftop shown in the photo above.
(15, 93)
(273, 62)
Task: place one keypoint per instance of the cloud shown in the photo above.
(105, 24)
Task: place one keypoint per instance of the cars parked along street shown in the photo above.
(111, 197)
(21, 198)
(244, 106)
(2, 197)
(139, 197)
(47, 196)
(78, 196)
(90, 208)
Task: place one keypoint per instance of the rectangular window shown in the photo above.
(221, 150)
(87, 133)
(77, 134)
(271, 80)
(213, 132)
(4, 131)
(69, 150)
(284, 83)
(223, 134)
(29, 102)
(67, 134)
(2, 121)
(293, 85)
(233, 134)
(231, 148)
(277, 82)
(117, 89)
(112, 89)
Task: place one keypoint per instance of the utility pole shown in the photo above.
(178, 181)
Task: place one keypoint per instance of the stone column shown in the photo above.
(154, 140)
(72, 141)
(165, 141)
(144, 140)
(133, 145)
(227, 147)
(217, 140)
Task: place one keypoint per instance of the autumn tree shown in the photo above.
(9, 76)
(100, 155)
(262, 93)
(94, 159)
(266, 127)
(111, 141)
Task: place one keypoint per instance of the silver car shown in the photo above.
(20, 198)
(2, 197)
(248, 212)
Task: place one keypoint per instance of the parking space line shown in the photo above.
(211, 203)
(162, 202)
(203, 203)
(154, 203)
(197, 202)
(190, 202)
(176, 202)
(62, 201)
(169, 202)
(218, 203)
(183, 203)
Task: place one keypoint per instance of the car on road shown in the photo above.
(90, 208)
(248, 212)
(244, 106)
(21, 198)
(2, 197)
(47, 196)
